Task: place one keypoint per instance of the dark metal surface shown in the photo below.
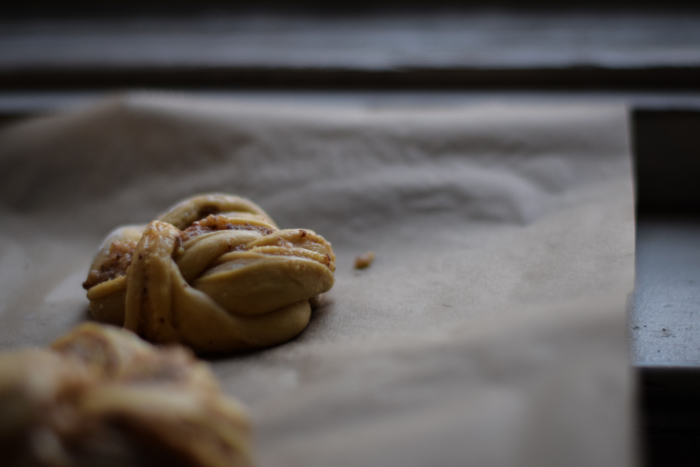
(554, 49)
(667, 146)
(670, 416)
(665, 319)
(664, 325)
(665, 322)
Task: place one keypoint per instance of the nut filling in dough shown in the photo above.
(214, 273)
(102, 397)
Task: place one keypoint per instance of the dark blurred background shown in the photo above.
(34, 7)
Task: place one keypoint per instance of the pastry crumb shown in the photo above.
(364, 261)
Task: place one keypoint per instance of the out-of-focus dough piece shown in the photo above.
(103, 397)
(214, 273)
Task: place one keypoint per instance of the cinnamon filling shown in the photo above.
(115, 265)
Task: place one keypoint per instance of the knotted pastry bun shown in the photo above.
(102, 397)
(213, 273)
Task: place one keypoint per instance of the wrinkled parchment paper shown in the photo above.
(490, 330)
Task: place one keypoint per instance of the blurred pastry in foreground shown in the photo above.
(101, 396)
(214, 273)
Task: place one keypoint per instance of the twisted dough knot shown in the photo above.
(214, 273)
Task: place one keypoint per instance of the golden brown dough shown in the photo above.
(103, 397)
(214, 273)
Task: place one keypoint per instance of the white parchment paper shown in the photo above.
(490, 330)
